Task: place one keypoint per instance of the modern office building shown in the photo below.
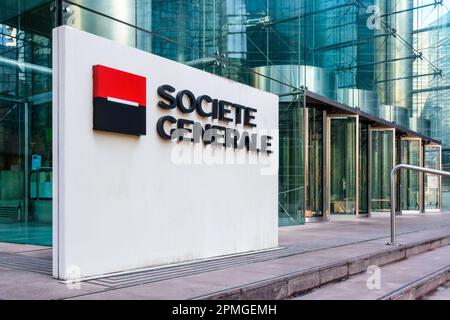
(433, 94)
(363, 85)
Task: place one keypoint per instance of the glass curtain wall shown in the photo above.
(25, 122)
(124, 10)
(291, 164)
(431, 91)
(390, 59)
(361, 53)
(180, 30)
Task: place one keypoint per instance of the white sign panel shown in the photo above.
(156, 162)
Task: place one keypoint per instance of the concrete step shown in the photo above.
(295, 283)
(410, 279)
(441, 293)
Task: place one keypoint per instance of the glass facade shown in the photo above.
(291, 165)
(26, 121)
(387, 59)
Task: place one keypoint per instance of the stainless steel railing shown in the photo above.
(393, 195)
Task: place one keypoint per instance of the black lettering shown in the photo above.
(244, 141)
(238, 110)
(219, 135)
(208, 134)
(232, 138)
(215, 109)
(199, 105)
(223, 110)
(248, 117)
(266, 144)
(164, 92)
(248, 141)
(198, 132)
(160, 126)
(180, 101)
(182, 130)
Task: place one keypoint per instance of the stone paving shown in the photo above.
(310, 245)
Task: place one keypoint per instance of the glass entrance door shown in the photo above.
(364, 144)
(314, 169)
(432, 182)
(411, 153)
(343, 165)
(382, 160)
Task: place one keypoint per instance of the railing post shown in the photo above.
(393, 206)
(393, 195)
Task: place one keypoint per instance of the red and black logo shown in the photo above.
(120, 101)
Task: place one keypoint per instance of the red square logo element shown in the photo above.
(120, 101)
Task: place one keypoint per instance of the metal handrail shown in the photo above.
(393, 195)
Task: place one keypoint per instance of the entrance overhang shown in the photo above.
(334, 107)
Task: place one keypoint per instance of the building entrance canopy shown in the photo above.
(342, 156)
(334, 107)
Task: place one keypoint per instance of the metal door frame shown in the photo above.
(421, 175)
(369, 172)
(439, 147)
(324, 216)
(328, 162)
(394, 157)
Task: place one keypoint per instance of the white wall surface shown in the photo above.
(120, 202)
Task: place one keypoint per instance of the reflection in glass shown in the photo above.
(363, 168)
(410, 180)
(343, 165)
(180, 30)
(382, 163)
(315, 164)
(123, 10)
(26, 122)
(291, 165)
(432, 182)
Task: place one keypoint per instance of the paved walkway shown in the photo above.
(25, 270)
